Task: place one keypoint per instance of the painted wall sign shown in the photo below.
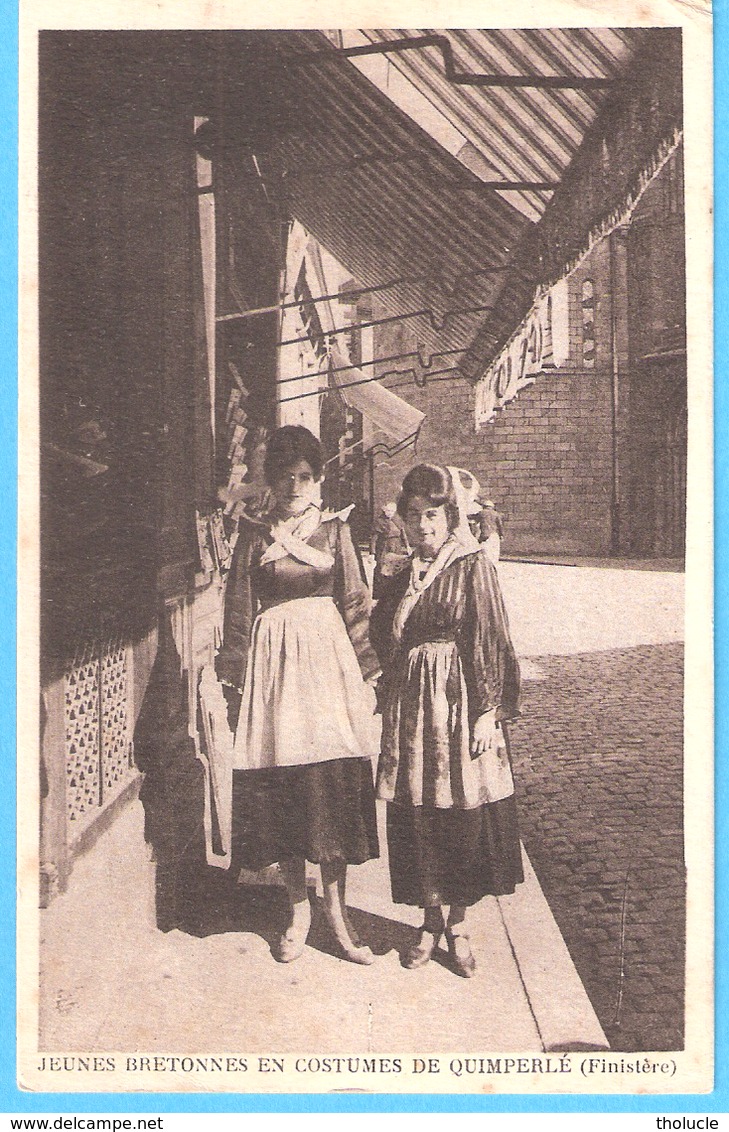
(541, 343)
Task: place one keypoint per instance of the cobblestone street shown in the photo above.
(598, 760)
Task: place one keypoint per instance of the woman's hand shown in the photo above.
(484, 733)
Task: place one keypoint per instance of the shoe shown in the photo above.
(461, 956)
(421, 952)
(357, 953)
(289, 947)
(291, 944)
(350, 948)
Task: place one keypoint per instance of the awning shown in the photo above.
(384, 409)
(516, 135)
(541, 341)
(626, 148)
(455, 240)
(397, 210)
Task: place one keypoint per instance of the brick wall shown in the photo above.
(546, 462)
(546, 458)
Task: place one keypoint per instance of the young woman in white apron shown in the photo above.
(296, 645)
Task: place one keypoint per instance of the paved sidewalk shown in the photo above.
(652, 565)
(111, 981)
(598, 767)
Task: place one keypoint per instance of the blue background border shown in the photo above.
(14, 1101)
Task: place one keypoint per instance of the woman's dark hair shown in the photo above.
(286, 447)
(433, 483)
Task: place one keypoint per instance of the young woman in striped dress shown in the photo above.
(450, 682)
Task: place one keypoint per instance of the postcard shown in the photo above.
(366, 729)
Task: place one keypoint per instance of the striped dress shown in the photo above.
(452, 827)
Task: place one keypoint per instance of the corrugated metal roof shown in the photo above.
(388, 202)
(523, 134)
(391, 203)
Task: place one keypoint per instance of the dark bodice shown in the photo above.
(287, 579)
(252, 588)
(464, 604)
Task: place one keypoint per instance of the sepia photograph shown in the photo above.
(367, 413)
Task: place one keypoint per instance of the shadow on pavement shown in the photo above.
(222, 905)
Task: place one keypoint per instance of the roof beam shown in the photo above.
(458, 78)
(473, 184)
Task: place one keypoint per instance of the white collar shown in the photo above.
(290, 537)
(451, 550)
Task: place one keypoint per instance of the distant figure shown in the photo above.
(487, 526)
(389, 545)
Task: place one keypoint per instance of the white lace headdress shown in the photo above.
(465, 498)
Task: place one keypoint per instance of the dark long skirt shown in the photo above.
(440, 856)
(321, 812)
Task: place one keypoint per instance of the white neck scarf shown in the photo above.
(290, 538)
(451, 550)
(460, 543)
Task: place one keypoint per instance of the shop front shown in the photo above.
(243, 229)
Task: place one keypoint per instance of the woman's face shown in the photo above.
(295, 489)
(426, 526)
